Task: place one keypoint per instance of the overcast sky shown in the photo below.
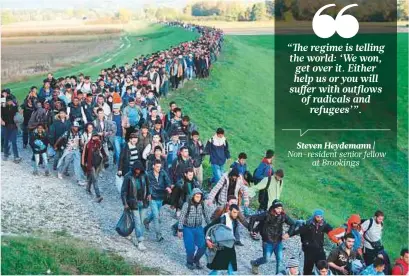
(65, 4)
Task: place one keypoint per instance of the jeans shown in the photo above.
(189, 72)
(118, 144)
(230, 271)
(217, 171)
(268, 249)
(37, 160)
(138, 217)
(25, 135)
(10, 135)
(92, 179)
(57, 156)
(155, 205)
(74, 158)
(194, 237)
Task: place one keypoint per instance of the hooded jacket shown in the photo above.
(124, 159)
(400, 267)
(218, 149)
(271, 225)
(157, 186)
(337, 234)
(222, 188)
(135, 189)
(264, 169)
(39, 143)
(192, 213)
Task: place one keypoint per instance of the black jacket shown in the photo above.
(130, 194)
(312, 235)
(179, 167)
(196, 151)
(27, 111)
(180, 193)
(271, 226)
(151, 161)
(7, 115)
(124, 158)
(158, 186)
(58, 128)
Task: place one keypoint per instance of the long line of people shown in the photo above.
(158, 157)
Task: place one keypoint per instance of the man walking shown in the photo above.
(218, 149)
(135, 196)
(191, 229)
(271, 228)
(159, 186)
(10, 129)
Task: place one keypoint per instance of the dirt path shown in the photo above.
(47, 204)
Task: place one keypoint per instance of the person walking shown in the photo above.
(10, 129)
(160, 186)
(60, 126)
(265, 168)
(191, 230)
(39, 143)
(225, 257)
(135, 194)
(129, 155)
(401, 266)
(340, 257)
(218, 149)
(271, 228)
(196, 151)
(312, 239)
(93, 159)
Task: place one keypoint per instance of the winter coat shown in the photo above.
(179, 167)
(91, 147)
(182, 191)
(338, 234)
(264, 169)
(151, 161)
(192, 213)
(39, 143)
(196, 151)
(124, 159)
(271, 225)
(38, 117)
(58, 128)
(7, 115)
(158, 186)
(312, 234)
(135, 189)
(400, 267)
(218, 149)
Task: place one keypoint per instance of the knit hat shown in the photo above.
(292, 263)
(276, 204)
(318, 212)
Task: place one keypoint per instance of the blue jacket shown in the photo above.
(370, 270)
(42, 96)
(218, 154)
(263, 170)
(157, 188)
(57, 129)
(241, 168)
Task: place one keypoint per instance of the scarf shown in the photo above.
(218, 142)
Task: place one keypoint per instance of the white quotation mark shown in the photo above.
(325, 26)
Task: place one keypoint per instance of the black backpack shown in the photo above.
(96, 158)
(377, 245)
(263, 194)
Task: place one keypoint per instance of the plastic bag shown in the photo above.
(118, 182)
(125, 225)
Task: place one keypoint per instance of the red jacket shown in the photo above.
(400, 267)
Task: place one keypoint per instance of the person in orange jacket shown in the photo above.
(353, 226)
(401, 264)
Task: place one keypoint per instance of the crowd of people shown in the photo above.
(158, 156)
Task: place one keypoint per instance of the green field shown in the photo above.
(155, 37)
(239, 96)
(61, 256)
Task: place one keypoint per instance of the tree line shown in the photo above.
(367, 10)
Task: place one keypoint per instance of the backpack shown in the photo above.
(263, 194)
(96, 158)
(377, 245)
(189, 204)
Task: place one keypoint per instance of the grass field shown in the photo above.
(156, 38)
(61, 256)
(240, 97)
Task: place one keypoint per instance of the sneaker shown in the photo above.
(190, 266)
(88, 191)
(17, 160)
(81, 183)
(239, 243)
(35, 173)
(160, 239)
(141, 246)
(146, 223)
(5, 158)
(99, 199)
(198, 265)
(59, 175)
(47, 173)
(67, 174)
(254, 268)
